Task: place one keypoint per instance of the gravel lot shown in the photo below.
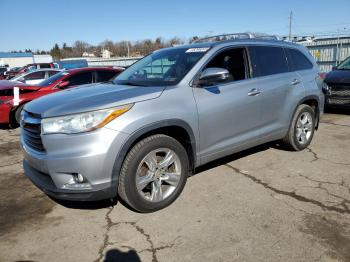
(264, 204)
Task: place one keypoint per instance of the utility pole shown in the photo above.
(290, 25)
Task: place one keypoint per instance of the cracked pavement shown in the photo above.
(264, 204)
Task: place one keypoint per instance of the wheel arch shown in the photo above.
(176, 128)
(314, 102)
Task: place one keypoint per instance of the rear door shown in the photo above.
(277, 84)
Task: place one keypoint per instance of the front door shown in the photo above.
(229, 112)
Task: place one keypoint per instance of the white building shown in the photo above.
(22, 59)
(87, 54)
(16, 59)
(106, 53)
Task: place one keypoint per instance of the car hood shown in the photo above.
(90, 97)
(338, 77)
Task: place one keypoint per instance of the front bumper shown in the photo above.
(91, 154)
(4, 113)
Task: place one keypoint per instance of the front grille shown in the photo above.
(339, 90)
(31, 131)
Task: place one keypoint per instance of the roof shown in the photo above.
(80, 69)
(14, 55)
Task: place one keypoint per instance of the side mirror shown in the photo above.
(334, 68)
(63, 84)
(213, 75)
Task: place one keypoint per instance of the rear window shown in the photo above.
(268, 60)
(297, 60)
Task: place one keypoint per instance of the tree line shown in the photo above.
(118, 49)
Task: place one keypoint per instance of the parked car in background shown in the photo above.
(71, 64)
(35, 77)
(3, 69)
(30, 67)
(142, 134)
(11, 107)
(338, 85)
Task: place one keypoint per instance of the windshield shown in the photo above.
(53, 79)
(165, 67)
(16, 78)
(345, 65)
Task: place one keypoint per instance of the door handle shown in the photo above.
(295, 82)
(254, 92)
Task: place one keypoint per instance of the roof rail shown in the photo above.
(234, 36)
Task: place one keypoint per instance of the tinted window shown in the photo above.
(297, 61)
(267, 60)
(103, 76)
(80, 79)
(51, 73)
(35, 75)
(45, 66)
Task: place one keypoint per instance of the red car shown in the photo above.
(11, 107)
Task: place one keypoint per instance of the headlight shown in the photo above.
(83, 122)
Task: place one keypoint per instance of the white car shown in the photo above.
(35, 77)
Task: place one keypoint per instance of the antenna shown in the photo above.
(290, 25)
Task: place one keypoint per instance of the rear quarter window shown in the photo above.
(297, 60)
(267, 60)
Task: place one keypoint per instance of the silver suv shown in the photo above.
(141, 135)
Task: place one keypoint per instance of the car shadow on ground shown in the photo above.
(117, 255)
(337, 111)
(236, 156)
(88, 205)
(4, 127)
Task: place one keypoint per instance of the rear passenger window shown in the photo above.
(103, 76)
(297, 60)
(35, 76)
(268, 60)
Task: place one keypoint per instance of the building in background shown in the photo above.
(106, 53)
(22, 59)
(328, 52)
(16, 59)
(42, 59)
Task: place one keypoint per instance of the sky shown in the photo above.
(39, 24)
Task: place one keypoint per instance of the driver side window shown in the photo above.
(234, 61)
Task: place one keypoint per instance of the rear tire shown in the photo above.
(301, 130)
(153, 173)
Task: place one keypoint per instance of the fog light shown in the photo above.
(78, 178)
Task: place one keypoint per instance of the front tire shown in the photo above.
(153, 173)
(302, 129)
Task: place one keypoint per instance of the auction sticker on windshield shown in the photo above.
(198, 50)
